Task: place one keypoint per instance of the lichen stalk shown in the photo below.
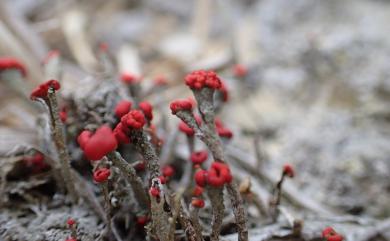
(59, 140)
(135, 181)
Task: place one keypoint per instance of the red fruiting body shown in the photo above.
(134, 119)
(99, 144)
(71, 239)
(101, 175)
(36, 162)
(168, 171)
(198, 190)
(147, 109)
(328, 231)
(63, 116)
(336, 237)
(178, 105)
(122, 108)
(50, 55)
(129, 78)
(240, 70)
(7, 63)
(222, 130)
(140, 166)
(155, 192)
(225, 132)
(142, 220)
(200, 177)
(163, 180)
(120, 134)
(223, 170)
(160, 81)
(183, 127)
(331, 235)
(219, 174)
(214, 179)
(83, 138)
(224, 92)
(42, 89)
(218, 123)
(288, 170)
(203, 78)
(71, 222)
(197, 202)
(198, 157)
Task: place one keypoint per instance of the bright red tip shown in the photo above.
(168, 171)
(121, 135)
(197, 202)
(331, 235)
(129, 78)
(199, 157)
(142, 220)
(203, 78)
(178, 105)
(288, 170)
(224, 91)
(219, 174)
(240, 70)
(7, 63)
(71, 222)
(155, 192)
(41, 90)
(99, 144)
(122, 108)
(101, 175)
(135, 119)
(200, 177)
(36, 162)
(198, 190)
(147, 109)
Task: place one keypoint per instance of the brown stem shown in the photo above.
(185, 181)
(59, 140)
(143, 145)
(160, 226)
(107, 205)
(238, 210)
(73, 231)
(175, 200)
(131, 175)
(188, 227)
(194, 216)
(216, 199)
(275, 199)
(258, 202)
(278, 190)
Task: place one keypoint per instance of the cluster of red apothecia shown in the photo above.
(329, 234)
(217, 175)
